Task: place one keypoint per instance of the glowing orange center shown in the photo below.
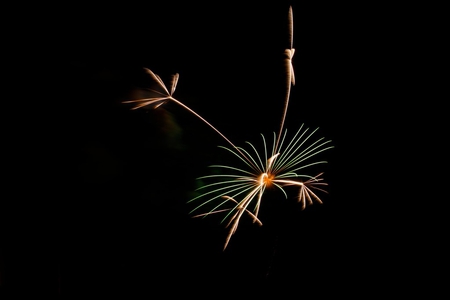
(267, 179)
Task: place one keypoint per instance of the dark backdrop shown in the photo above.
(100, 191)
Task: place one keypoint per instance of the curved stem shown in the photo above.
(215, 129)
(290, 72)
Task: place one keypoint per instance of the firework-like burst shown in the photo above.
(239, 190)
(278, 166)
(244, 187)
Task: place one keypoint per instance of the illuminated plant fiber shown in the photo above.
(278, 165)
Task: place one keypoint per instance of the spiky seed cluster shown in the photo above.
(277, 167)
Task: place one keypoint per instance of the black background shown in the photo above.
(99, 208)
